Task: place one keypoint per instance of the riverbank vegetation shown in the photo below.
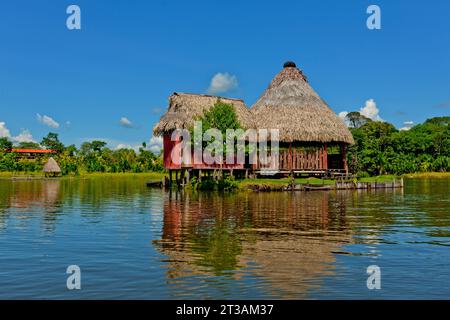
(382, 149)
(91, 157)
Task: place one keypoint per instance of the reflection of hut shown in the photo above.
(286, 240)
(307, 126)
(52, 168)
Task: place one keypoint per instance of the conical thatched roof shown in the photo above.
(293, 107)
(184, 107)
(52, 166)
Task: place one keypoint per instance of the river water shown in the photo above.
(134, 242)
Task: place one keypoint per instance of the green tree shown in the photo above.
(5, 145)
(356, 119)
(52, 142)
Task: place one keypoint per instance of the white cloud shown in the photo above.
(126, 146)
(222, 82)
(155, 144)
(407, 125)
(4, 131)
(48, 121)
(124, 122)
(370, 110)
(343, 114)
(24, 136)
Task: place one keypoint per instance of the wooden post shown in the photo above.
(344, 157)
(200, 175)
(325, 156)
(290, 156)
(188, 176)
(182, 182)
(170, 178)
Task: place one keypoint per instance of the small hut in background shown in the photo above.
(308, 128)
(51, 168)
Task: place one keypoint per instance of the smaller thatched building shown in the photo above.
(183, 109)
(51, 168)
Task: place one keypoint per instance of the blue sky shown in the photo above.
(130, 56)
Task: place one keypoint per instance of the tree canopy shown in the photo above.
(93, 156)
(380, 148)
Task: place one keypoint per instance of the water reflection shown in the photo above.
(157, 244)
(287, 239)
(49, 199)
(22, 198)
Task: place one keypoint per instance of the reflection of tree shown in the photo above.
(288, 239)
(295, 236)
(192, 231)
(47, 199)
(217, 248)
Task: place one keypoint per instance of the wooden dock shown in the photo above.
(346, 185)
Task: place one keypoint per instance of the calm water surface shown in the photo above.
(133, 242)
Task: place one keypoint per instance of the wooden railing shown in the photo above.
(294, 159)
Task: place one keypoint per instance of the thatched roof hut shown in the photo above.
(52, 166)
(184, 107)
(292, 106)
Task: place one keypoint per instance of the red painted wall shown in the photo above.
(172, 152)
(172, 156)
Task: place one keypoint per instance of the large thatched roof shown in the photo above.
(184, 107)
(52, 166)
(291, 105)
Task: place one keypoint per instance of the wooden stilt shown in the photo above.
(290, 156)
(344, 157)
(182, 182)
(188, 176)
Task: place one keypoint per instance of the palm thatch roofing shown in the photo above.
(52, 166)
(185, 107)
(292, 106)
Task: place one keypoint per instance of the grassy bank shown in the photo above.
(262, 183)
(428, 175)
